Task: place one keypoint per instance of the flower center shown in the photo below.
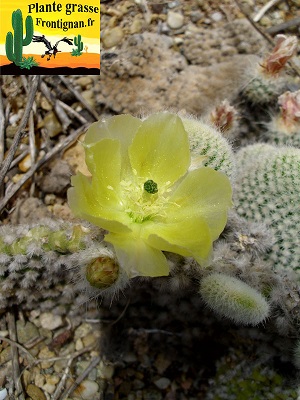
(142, 201)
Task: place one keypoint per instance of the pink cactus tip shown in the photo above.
(223, 116)
(290, 109)
(284, 50)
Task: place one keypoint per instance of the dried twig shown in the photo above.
(19, 158)
(72, 112)
(79, 97)
(19, 133)
(16, 344)
(2, 128)
(255, 26)
(81, 377)
(285, 25)
(59, 147)
(15, 357)
(59, 111)
(32, 146)
(71, 357)
(264, 9)
(62, 382)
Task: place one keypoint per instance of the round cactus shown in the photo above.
(268, 189)
(263, 90)
(267, 77)
(208, 147)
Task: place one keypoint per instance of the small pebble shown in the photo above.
(3, 394)
(136, 26)
(49, 388)
(216, 16)
(112, 37)
(45, 104)
(84, 81)
(51, 123)
(35, 393)
(173, 4)
(26, 331)
(105, 370)
(25, 164)
(46, 353)
(162, 383)
(78, 345)
(196, 16)
(82, 330)
(50, 321)
(175, 20)
(87, 390)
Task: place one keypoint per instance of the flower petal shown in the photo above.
(189, 238)
(86, 203)
(160, 149)
(103, 160)
(120, 127)
(203, 193)
(137, 257)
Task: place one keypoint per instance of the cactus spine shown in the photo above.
(14, 43)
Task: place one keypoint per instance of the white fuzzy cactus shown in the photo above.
(267, 80)
(208, 147)
(41, 262)
(234, 299)
(268, 189)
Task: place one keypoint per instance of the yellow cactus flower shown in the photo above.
(142, 192)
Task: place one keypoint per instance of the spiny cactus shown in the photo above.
(208, 147)
(14, 43)
(268, 189)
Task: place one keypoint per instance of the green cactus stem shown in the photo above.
(78, 43)
(14, 43)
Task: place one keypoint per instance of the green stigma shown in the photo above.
(150, 186)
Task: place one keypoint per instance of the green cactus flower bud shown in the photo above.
(102, 272)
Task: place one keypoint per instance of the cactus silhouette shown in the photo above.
(14, 43)
(78, 43)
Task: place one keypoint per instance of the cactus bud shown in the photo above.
(102, 272)
(223, 116)
(283, 51)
